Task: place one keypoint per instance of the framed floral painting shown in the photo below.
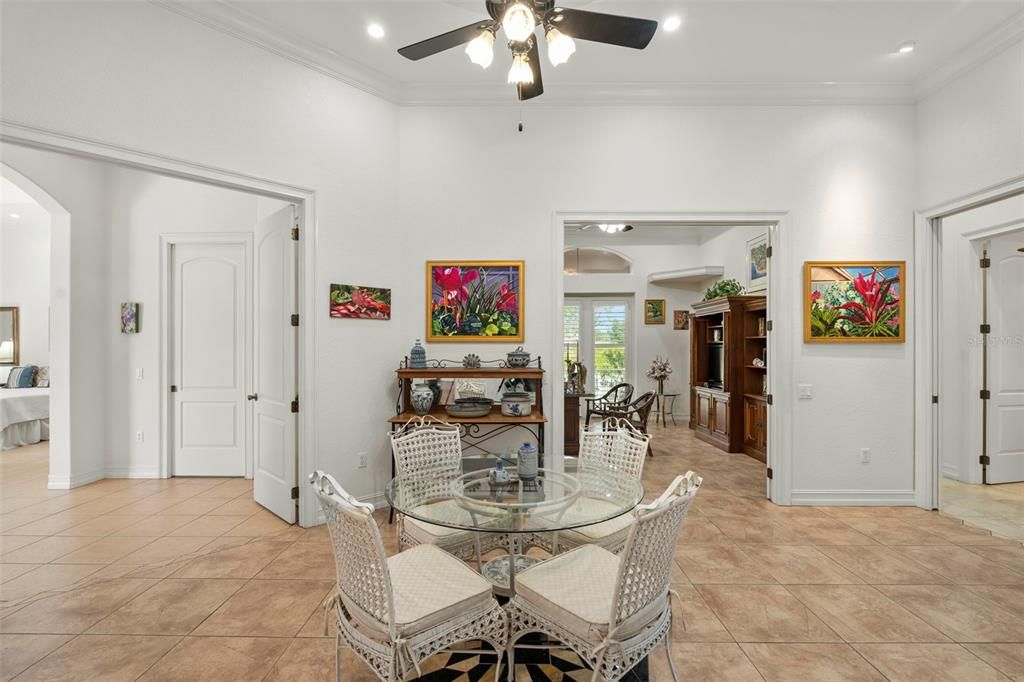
(475, 301)
(654, 311)
(680, 320)
(359, 302)
(129, 318)
(854, 302)
(757, 263)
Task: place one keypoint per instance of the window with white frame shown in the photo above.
(598, 332)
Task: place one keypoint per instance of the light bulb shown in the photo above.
(518, 22)
(612, 228)
(520, 72)
(560, 46)
(481, 49)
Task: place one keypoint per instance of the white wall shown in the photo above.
(971, 132)
(845, 175)
(25, 280)
(138, 76)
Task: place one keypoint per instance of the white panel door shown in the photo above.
(209, 358)
(1006, 361)
(274, 424)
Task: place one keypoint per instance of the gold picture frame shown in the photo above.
(854, 301)
(654, 311)
(491, 291)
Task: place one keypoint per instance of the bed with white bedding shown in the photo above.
(24, 416)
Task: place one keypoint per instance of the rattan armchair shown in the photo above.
(609, 404)
(611, 610)
(395, 612)
(617, 444)
(638, 413)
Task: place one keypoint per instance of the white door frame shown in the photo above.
(167, 242)
(780, 344)
(304, 198)
(927, 254)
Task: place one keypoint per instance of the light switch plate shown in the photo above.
(804, 391)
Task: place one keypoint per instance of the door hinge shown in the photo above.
(769, 472)
(768, 325)
(985, 329)
(295, 493)
(769, 252)
(295, 404)
(984, 460)
(985, 262)
(174, 388)
(295, 319)
(985, 394)
(295, 234)
(769, 398)
(935, 400)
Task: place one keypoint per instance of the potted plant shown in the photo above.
(723, 287)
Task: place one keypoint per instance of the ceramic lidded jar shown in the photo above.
(518, 358)
(418, 356)
(422, 399)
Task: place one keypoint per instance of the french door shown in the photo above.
(599, 333)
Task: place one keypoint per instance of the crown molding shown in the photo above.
(238, 23)
(980, 51)
(692, 94)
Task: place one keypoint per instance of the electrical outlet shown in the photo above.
(362, 460)
(804, 391)
(865, 455)
(140, 437)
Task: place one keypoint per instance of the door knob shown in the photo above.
(253, 396)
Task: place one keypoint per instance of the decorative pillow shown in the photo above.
(21, 377)
(43, 377)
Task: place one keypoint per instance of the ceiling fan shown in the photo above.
(519, 19)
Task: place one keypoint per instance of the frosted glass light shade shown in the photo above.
(560, 47)
(520, 72)
(518, 22)
(481, 49)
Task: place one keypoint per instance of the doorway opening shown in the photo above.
(629, 285)
(979, 365)
(146, 219)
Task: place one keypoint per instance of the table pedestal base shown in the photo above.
(497, 571)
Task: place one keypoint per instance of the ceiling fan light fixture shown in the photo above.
(518, 22)
(520, 73)
(614, 228)
(481, 49)
(560, 46)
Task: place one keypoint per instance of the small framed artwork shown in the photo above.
(854, 302)
(476, 300)
(680, 320)
(654, 311)
(360, 303)
(757, 263)
(129, 318)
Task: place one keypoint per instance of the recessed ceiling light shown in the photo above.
(15, 215)
(673, 23)
(907, 47)
(375, 30)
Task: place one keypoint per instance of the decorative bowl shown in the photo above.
(518, 358)
(516, 404)
(468, 410)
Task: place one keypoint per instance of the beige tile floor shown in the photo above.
(188, 579)
(998, 508)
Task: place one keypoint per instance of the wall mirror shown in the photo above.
(9, 336)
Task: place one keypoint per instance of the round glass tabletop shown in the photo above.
(552, 501)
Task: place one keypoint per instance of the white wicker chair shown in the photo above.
(395, 612)
(611, 610)
(615, 444)
(429, 451)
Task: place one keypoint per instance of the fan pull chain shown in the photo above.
(520, 118)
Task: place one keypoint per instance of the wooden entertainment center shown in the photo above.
(729, 374)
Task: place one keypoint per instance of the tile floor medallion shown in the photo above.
(188, 579)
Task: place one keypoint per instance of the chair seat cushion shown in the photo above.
(576, 590)
(588, 508)
(431, 587)
(429, 533)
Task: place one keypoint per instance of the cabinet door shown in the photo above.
(750, 425)
(720, 415)
(762, 425)
(704, 410)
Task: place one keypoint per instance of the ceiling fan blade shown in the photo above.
(443, 42)
(531, 90)
(603, 28)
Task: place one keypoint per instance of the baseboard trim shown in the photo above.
(133, 472)
(950, 471)
(854, 498)
(69, 482)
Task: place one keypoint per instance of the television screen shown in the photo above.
(716, 366)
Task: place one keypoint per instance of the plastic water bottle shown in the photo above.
(527, 462)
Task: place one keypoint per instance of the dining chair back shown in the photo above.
(428, 449)
(615, 443)
(615, 398)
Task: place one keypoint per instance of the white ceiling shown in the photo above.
(841, 43)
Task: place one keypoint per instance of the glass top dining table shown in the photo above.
(552, 501)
